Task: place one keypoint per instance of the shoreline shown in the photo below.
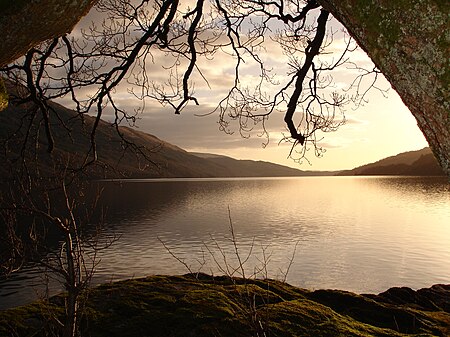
(221, 306)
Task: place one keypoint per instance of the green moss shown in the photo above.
(443, 44)
(3, 95)
(377, 22)
(308, 318)
(30, 319)
(444, 5)
(208, 306)
(369, 311)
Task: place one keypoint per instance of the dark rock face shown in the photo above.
(399, 309)
(429, 299)
(406, 41)
(26, 23)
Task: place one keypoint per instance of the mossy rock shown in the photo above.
(202, 305)
(37, 318)
(3, 95)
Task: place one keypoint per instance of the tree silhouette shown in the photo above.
(405, 43)
(122, 50)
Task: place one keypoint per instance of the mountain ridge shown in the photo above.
(143, 155)
(256, 168)
(411, 163)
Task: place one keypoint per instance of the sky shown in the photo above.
(381, 127)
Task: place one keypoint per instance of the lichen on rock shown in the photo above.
(3, 95)
(36, 21)
(409, 41)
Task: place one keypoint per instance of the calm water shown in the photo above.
(358, 234)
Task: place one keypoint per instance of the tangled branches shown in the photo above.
(160, 51)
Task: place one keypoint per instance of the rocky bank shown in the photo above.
(202, 305)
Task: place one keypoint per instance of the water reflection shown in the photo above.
(359, 234)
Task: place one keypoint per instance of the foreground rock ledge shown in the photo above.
(201, 305)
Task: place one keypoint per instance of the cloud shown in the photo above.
(203, 134)
(355, 121)
(190, 131)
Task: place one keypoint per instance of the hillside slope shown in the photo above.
(413, 163)
(151, 157)
(252, 168)
(147, 156)
(142, 155)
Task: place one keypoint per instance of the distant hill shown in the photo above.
(115, 158)
(252, 168)
(151, 157)
(412, 163)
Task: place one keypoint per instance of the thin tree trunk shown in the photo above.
(72, 290)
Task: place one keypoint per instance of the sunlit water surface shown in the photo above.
(362, 234)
